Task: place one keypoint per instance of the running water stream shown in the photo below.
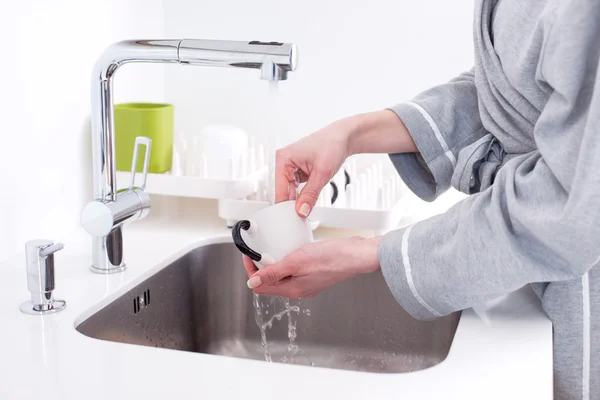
(266, 321)
(261, 308)
(258, 317)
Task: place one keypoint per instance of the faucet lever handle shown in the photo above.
(51, 249)
(141, 140)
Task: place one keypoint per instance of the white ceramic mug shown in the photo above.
(272, 233)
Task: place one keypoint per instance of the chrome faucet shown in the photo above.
(104, 217)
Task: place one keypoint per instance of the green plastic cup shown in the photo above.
(153, 120)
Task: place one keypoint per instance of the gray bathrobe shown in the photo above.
(521, 133)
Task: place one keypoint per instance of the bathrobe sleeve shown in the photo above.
(540, 219)
(452, 106)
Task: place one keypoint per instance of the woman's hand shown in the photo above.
(315, 267)
(316, 158)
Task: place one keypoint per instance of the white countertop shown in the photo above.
(45, 357)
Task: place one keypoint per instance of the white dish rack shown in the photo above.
(192, 186)
(374, 199)
(190, 175)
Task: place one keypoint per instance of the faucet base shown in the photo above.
(28, 307)
(112, 270)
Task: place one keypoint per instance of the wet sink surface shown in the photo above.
(201, 303)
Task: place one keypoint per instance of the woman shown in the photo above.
(520, 133)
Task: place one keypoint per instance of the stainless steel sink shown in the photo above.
(200, 303)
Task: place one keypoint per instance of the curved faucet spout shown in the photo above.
(273, 59)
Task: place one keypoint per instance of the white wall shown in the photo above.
(49, 48)
(355, 56)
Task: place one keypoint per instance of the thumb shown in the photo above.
(310, 192)
(270, 274)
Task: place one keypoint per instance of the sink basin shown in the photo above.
(200, 303)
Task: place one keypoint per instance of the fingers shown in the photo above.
(272, 274)
(287, 288)
(292, 192)
(285, 185)
(310, 192)
(249, 266)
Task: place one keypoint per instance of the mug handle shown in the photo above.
(334, 196)
(335, 189)
(236, 233)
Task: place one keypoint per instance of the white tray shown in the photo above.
(379, 221)
(192, 186)
(373, 198)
